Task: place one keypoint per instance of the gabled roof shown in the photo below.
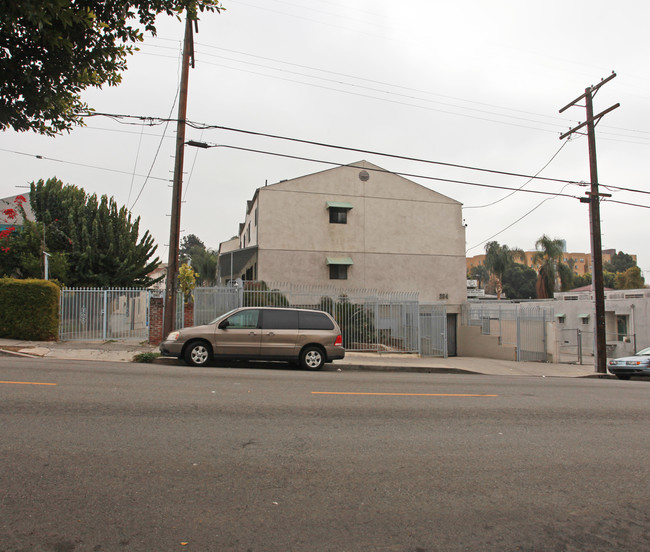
(371, 170)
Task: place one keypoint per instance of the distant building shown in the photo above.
(580, 263)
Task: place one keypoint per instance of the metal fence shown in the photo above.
(370, 320)
(103, 314)
(517, 324)
(433, 329)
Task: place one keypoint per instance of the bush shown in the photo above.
(145, 357)
(29, 309)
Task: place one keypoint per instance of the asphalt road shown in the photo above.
(106, 456)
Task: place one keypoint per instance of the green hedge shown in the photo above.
(29, 309)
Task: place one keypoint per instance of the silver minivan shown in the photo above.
(306, 337)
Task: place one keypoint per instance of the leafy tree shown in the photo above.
(480, 273)
(609, 280)
(549, 256)
(52, 50)
(498, 258)
(186, 281)
(519, 282)
(97, 240)
(630, 279)
(619, 262)
(566, 276)
(204, 260)
(188, 243)
(22, 257)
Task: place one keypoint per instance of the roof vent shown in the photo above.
(364, 176)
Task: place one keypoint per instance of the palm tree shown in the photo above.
(498, 258)
(549, 257)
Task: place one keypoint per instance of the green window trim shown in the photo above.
(339, 261)
(339, 205)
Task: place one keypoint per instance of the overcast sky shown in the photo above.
(473, 83)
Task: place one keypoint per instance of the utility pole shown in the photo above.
(175, 225)
(593, 198)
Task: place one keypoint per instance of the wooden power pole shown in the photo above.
(175, 225)
(593, 198)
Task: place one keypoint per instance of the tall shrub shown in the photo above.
(29, 309)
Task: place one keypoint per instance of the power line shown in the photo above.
(204, 126)
(410, 175)
(45, 158)
(396, 86)
(524, 184)
(518, 220)
(162, 138)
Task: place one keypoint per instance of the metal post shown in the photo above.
(104, 330)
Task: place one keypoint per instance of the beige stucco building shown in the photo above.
(357, 226)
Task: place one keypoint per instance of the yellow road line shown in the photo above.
(402, 394)
(27, 383)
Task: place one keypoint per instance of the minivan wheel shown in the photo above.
(312, 358)
(197, 354)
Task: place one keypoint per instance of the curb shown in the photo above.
(18, 353)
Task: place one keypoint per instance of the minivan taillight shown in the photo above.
(338, 342)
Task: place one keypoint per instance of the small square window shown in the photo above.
(338, 215)
(338, 272)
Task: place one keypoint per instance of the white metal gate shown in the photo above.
(102, 314)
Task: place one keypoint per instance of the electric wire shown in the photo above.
(45, 158)
(518, 220)
(399, 173)
(135, 164)
(189, 177)
(383, 83)
(162, 138)
(205, 126)
(524, 184)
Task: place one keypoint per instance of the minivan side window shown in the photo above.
(314, 321)
(279, 319)
(244, 319)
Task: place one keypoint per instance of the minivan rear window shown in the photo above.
(314, 321)
(280, 320)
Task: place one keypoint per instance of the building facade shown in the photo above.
(356, 226)
(580, 263)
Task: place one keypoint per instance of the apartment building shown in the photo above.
(356, 226)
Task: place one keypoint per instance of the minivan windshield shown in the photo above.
(218, 318)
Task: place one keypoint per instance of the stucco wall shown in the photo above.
(471, 343)
(401, 236)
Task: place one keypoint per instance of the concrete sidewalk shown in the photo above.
(124, 351)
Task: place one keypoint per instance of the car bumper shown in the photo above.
(629, 370)
(335, 353)
(171, 348)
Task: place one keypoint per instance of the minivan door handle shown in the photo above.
(271, 333)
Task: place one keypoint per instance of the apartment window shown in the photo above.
(338, 267)
(338, 211)
(561, 318)
(584, 318)
(621, 327)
